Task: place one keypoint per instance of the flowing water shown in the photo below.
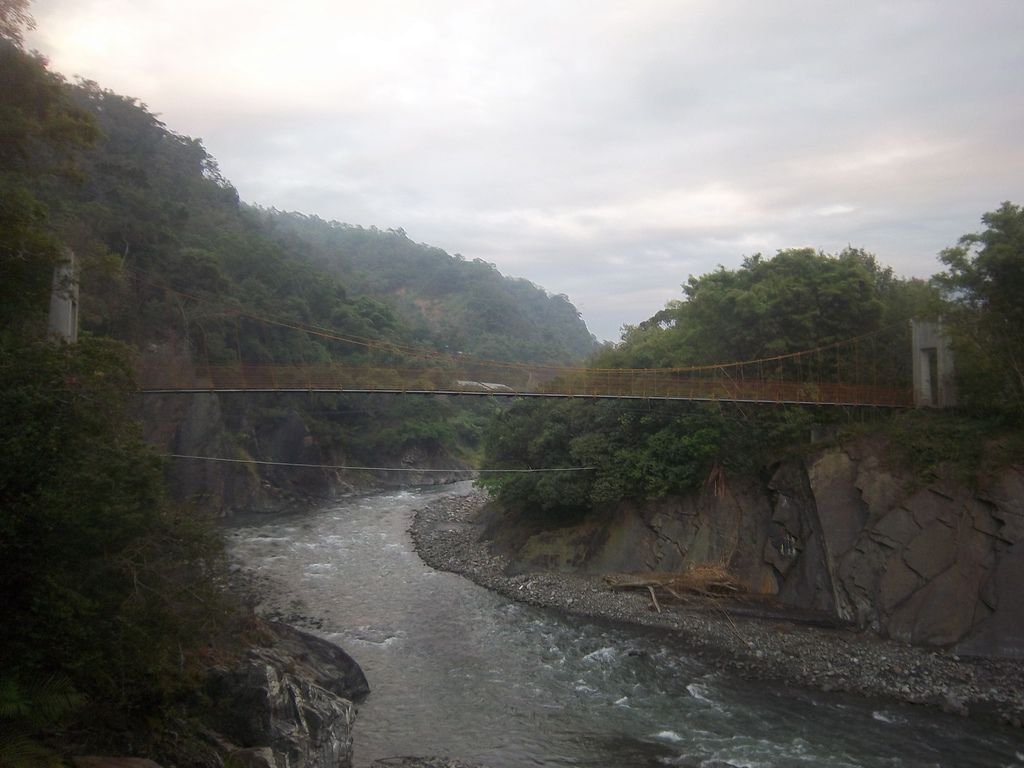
(459, 671)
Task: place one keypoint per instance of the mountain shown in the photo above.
(454, 304)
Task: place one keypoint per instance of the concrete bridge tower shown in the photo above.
(63, 321)
(934, 384)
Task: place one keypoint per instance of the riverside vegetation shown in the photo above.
(114, 619)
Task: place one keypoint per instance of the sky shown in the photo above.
(604, 150)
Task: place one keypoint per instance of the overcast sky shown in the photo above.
(605, 150)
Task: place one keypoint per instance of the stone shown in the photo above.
(841, 511)
(1002, 632)
(780, 550)
(928, 506)
(932, 551)
(321, 661)
(897, 584)
(289, 704)
(96, 761)
(982, 518)
(895, 528)
(860, 573)
(422, 762)
(260, 705)
(941, 613)
(880, 490)
(258, 757)
(937, 565)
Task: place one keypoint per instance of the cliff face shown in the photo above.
(837, 532)
(198, 425)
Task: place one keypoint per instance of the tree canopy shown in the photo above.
(799, 300)
(451, 303)
(41, 134)
(15, 18)
(983, 285)
(105, 585)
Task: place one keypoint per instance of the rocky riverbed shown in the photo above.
(749, 638)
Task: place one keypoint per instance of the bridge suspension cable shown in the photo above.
(802, 377)
(371, 469)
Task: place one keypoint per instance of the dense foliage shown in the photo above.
(173, 257)
(624, 450)
(454, 304)
(40, 133)
(799, 300)
(94, 566)
(796, 301)
(107, 588)
(984, 286)
(174, 264)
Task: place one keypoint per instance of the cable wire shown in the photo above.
(371, 469)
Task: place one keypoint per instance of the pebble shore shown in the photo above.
(830, 659)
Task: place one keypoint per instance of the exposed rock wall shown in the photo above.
(836, 532)
(198, 425)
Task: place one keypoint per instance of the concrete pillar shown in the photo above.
(63, 321)
(934, 381)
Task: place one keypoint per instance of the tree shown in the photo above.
(15, 19)
(104, 583)
(984, 284)
(799, 300)
(40, 134)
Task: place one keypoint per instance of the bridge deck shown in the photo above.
(537, 383)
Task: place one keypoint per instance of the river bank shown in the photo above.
(741, 637)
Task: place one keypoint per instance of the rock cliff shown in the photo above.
(263, 451)
(838, 532)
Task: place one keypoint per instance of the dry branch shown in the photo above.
(703, 580)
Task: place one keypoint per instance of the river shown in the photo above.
(459, 671)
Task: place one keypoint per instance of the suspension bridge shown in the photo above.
(823, 377)
(862, 371)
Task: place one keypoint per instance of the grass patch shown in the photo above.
(933, 444)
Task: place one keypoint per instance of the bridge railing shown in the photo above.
(691, 386)
(498, 379)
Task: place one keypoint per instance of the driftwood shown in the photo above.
(702, 580)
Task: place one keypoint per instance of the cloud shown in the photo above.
(600, 149)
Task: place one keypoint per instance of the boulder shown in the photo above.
(322, 662)
(260, 706)
(287, 705)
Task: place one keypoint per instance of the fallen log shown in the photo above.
(701, 580)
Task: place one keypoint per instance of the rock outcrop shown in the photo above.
(837, 533)
(289, 705)
(274, 462)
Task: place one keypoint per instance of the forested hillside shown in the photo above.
(110, 608)
(177, 257)
(172, 263)
(459, 305)
(767, 310)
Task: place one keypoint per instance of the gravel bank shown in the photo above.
(775, 648)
